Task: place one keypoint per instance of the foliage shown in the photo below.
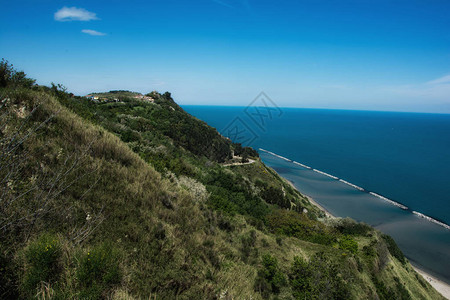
(164, 219)
(402, 291)
(98, 270)
(317, 279)
(393, 248)
(229, 194)
(165, 119)
(8, 274)
(350, 227)
(270, 278)
(274, 195)
(9, 77)
(348, 244)
(291, 223)
(279, 241)
(248, 245)
(244, 151)
(42, 263)
(386, 293)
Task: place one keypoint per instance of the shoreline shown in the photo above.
(395, 203)
(442, 287)
(312, 201)
(327, 213)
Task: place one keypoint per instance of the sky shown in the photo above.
(370, 55)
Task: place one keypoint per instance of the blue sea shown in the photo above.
(404, 157)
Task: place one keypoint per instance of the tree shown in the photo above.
(10, 77)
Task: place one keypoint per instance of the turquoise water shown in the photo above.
(402, 156)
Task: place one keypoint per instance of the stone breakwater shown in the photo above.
(389, 200)
(397, 204)
(431, 219)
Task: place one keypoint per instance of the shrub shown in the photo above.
(8, 275)
(225, 223)
(403, 292)
(317, 279)
(382, 254)
(248, 245)
(394, 250)
(42, 262)
(369, 250)
(291, 223)
(97, 271)
(10, 77)
(274, 195)
(279, 240)
(351, 227)
(383, 292)
(348, 244)
(270, 279)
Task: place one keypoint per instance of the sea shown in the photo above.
(388, 169)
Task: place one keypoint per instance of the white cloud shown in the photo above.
(74, 14)
(436, 89)
(157, 83)
(223, 3)
(93, 32)
(235, 4)
(442, 80)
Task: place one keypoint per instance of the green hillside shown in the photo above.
(133, 199)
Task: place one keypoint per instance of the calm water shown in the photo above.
(402, 156)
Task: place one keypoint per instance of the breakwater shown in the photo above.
(352, 185)
(326, 174)
(389, 200)
(431, 219)
(392, 202)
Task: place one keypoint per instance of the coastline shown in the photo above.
(313, 202)
(310, 199)
(327, 213)
(442, 287)
(395, 203)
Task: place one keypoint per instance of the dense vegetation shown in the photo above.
(130, 199)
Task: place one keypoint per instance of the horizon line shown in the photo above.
(322, 108)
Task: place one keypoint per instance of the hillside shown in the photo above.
(133, 199)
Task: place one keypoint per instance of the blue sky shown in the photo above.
(375, 55)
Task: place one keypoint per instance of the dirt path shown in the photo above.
(250, 161)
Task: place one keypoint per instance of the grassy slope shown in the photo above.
(167, 239)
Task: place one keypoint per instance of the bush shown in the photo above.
(348, 244)
(351, 227)
(270, 279)
(10, 77)
(369, 250)
(317, 279)
(274, 195)
(403, 292)
(42, 262)
(382, 254)
(248, 245)
(8, 274)
(394, 250)
(279, 241)
(291, 223)
(97, 271)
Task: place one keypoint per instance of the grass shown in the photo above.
(127, 225)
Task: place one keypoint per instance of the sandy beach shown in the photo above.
(439, 285)
(327, 213)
